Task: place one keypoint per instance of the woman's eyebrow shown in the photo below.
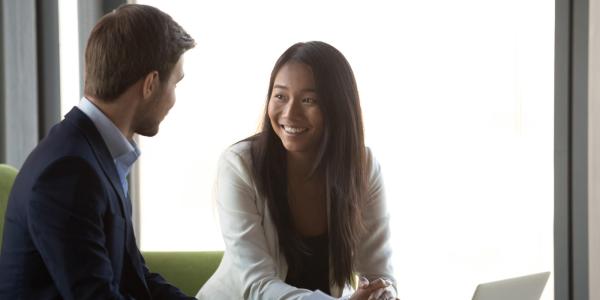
(283, 87)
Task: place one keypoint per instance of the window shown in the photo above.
(458, 108)
(69, 55)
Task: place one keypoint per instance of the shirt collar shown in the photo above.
(121, 149)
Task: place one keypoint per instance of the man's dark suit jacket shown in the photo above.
(68, 231)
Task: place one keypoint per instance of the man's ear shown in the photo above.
(151, 84)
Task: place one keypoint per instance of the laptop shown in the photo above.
(528, 287)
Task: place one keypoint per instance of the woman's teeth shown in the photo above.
(294, 130)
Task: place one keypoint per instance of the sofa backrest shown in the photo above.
(7, 178)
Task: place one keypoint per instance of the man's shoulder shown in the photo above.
(63, 140)
(64, 145)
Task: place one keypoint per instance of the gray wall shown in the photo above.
(577, 150)
(20, 74)
(594, 150)
(48, 65)
(2, 106)
(562, 210)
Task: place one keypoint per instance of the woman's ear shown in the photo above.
(151, 84)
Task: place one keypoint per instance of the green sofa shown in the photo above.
(7, 178)
(186, 270)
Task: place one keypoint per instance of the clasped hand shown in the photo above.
(380, 289)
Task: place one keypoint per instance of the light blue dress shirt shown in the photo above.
(123, 151)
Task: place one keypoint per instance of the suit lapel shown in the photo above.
(79, 119)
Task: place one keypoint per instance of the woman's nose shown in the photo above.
(291, 108)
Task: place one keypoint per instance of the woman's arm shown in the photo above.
(374, 250)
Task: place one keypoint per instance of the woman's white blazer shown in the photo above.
(253, 265)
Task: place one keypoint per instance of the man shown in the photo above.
(68, 231)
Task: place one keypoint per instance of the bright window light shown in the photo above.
(458, 108)
(69, 55)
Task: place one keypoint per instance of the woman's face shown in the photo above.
(294, 109)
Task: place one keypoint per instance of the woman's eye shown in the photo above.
(309, 100)
(279, 96)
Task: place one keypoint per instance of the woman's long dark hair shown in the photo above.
(340, 157)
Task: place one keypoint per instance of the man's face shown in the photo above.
(154, 110)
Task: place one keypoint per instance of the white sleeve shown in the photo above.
(374, 250)
(244, 234)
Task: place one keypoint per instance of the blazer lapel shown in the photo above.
(79, 119)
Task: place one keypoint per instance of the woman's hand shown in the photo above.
(386, 293)
(380, 289)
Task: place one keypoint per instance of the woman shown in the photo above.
(301, 204)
